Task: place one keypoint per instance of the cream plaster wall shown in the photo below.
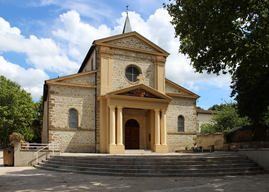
(121, 59)
(203, 118)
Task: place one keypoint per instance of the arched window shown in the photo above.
(73, 119)
(180, 124)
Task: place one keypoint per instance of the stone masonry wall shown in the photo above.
(74, 141)
(132, 42)
(121, 59)
(61, 100)
(86, 80)
(171, 89)
(185, 107)
(178, 142)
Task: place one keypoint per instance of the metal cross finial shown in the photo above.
(127, 8)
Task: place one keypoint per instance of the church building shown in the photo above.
(119, 100)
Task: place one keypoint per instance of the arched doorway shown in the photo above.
(131, 134)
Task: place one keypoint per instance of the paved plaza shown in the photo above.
(30, 179)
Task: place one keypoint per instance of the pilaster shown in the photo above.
(106, 70)
(159, 73)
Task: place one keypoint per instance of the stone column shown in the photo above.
(163, 128)
(112, 125)
(157, 126)
(119, 125)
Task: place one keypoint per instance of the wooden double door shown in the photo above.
(131, 134)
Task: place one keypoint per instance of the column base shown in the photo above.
(116, 149)
(161, 149)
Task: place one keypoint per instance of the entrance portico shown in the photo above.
(111, 107)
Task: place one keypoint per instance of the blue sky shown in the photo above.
(44, 39)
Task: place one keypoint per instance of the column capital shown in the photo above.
(119, 107)
(163, 110)
(112, 106)
(156, 110)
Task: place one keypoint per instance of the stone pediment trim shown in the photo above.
(123, 97)
(134, 34)
(58, 81)
(152, 91)
(190, 94)
(72, 85)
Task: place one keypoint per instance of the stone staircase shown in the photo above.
(150, 165)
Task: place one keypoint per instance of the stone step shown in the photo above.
(140, 151)
(147, 158)
(201, 174)
(155, 170)
(162, 166)
(152, 162)
(152, 165)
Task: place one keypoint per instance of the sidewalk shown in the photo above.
(31, 179)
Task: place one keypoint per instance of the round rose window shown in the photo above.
(131, 73)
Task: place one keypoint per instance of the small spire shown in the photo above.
(127, 26)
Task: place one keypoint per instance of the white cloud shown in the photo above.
(79, 36)
(30, 79)
(42, 53)
(72, 42)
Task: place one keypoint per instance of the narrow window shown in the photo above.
(73, 118)
(180, 124)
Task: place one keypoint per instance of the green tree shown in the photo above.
(37, 123)
(17, 110)
(224, 120)
(199, 107)
(228, 36)
(220, 107)
(39, 110)
(251, 92)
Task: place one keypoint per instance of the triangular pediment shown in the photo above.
(72, 77)
(174, 90)
(133, 41)
(140, 93)
(140, 90)
(84, 79)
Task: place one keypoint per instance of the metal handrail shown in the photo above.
(47, 146)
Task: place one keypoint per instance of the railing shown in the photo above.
(39, 147)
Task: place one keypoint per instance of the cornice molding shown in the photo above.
(71, 76)
(132, 49)
(181, 95)
(72, 85)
